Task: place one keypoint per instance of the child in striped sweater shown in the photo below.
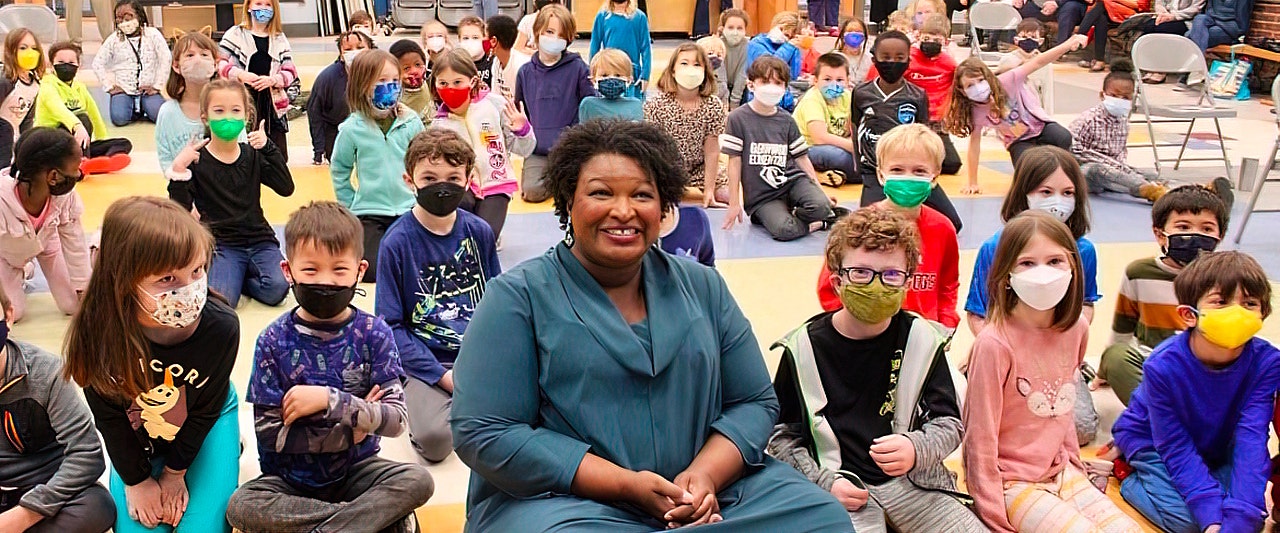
(1186, 221)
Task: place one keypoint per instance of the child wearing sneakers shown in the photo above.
(868, 410)
(1195, 432)
(1188, 221)
(1099, 137)
(823, 117)
(433, 265)
(325, 387)
(611, 73)
(770, 177)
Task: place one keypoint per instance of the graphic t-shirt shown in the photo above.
(876, 113)
(834, 113)
(17, 104)
(768, 146)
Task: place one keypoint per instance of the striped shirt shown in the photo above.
(1147, 309)
(768, 146)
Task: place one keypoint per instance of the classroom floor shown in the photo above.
(773, 282)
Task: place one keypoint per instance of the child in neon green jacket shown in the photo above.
(66, 103)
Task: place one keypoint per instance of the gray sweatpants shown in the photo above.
(376, 494)
(787, 218)
(910, 509)
(1103, 178)
(429, 408)
(533, 185)
(91, 511)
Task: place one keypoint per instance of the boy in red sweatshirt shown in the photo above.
(910, 157)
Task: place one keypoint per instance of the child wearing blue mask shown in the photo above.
(611, 72)
(257, 54)
(823, 117)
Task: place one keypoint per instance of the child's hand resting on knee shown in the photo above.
(304, 400)
(849, 495)
(144, 502)
(894, 454)
(173, 495)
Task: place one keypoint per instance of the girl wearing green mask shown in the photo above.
(24, 63)
(222, 178)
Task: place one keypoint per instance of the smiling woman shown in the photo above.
(606, 328)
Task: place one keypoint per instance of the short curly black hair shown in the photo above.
(647, 144)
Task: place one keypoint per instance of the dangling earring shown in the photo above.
(568, 232)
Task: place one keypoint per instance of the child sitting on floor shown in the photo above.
(611, 72)
(65, 102)
(1099, 137)
(1187, 222)
(879, 446)
(1195, 432)
(325, 387)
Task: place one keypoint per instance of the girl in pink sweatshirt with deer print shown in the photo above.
(1021, 455)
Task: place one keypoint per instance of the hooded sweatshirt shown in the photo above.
(761, 46)
(551, 95)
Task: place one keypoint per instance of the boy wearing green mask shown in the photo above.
(910, 158)
(868, 409)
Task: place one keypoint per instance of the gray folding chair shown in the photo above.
(1264, 172)
(451, 11)
(38, 18)
(990, 16)
(1175, 54)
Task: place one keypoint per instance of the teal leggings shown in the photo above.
(211, 479)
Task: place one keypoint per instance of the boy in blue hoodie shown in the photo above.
(552, 71)
(433, 266)
(777, 43)
(326, 384)
(1195, 431)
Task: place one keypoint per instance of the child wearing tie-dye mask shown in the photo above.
(611, 72)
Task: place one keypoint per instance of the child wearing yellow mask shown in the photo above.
(1195, 431)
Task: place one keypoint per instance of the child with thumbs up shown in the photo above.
(222, 178)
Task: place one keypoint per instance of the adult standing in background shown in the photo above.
(485, 8)
(825, 14)
(101, 11)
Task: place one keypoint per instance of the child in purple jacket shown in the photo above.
(550, 87)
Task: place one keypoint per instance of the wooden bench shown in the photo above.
(1246, 50)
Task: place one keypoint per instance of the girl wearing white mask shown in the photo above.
(131, 65)
(472, 38)
(732, 73)
(435, 38)
(327, 106)
(194, 63)
(1099, 136)
(1005, 103)
(1024, 375)
(154, 350)
(687, 108)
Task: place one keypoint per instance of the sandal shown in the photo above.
(1085, 63)
(1098, 66)
(1154, 78)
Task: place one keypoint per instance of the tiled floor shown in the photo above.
(752, 264)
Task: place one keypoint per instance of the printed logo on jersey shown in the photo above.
(907, 113)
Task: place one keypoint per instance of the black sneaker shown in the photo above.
(837, 214)
(1222, 187)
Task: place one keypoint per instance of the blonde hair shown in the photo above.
(667, 83)
(274, 27)
(569, 28)
(938, 7)
(363, 73)
(711, 43)
(937, 24)
(899, 20)
(784, 20)
(611, 62)
(606, 6)
(913, 140)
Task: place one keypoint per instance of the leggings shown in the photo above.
(1099, 21)
(492, 208)
(211, 479)
(1052, 134)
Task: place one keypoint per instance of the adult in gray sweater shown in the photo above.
(50, 457)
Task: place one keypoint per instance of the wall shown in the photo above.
(1266, 19)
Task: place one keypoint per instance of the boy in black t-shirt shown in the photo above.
(769, 168)
(868, 410)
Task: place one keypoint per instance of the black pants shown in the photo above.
(492, 208)
(109, 147)
(375, 226)
(1099, 20)
(873, 192)
(91, 511)
(951, 158)
(1173, 27)
(787, 218)
(1054, 134)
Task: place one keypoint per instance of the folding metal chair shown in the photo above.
(990, 16)
(38, 18)
(1264, 172)
(1175, 54)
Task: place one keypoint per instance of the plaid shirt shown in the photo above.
(1100, 137)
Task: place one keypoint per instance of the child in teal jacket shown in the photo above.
(620, 24)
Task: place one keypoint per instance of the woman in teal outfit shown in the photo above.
(608, 386)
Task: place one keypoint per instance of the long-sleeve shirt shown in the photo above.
(760, 45)
(1018, 411)
(17, 99)
(60, 105)
(1180, 9)
(377, 159)
(934, 289)
(1099, 137)
(59, 237)
(327, 107)
(551, 95)
(174, 131)
(486, 127)
(170, 420)
(1146, 306)
(349, 359)
(229, 195)
(630, 34)
(237, 46)
(67, 459)
(132, 62)
(1197, 418)
(428, 288)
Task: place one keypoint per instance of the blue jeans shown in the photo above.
(123, 107)
(1150, 490)
(485, 8)
(1206, 33)
(829, 157)
(211, 479)
(824, 13)
(253, 270)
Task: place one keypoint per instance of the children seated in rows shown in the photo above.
(611, 73)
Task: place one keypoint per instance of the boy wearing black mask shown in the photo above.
(1187, 221)
(325, 386)
(934, 70)
(433, 265)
